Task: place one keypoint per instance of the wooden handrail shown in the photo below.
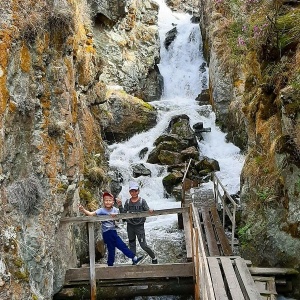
(123, 216)
(183, 180)
(226, 209)
(204, 284)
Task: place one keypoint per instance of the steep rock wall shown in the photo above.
(226, 89)
(254, 89)
(52, 154)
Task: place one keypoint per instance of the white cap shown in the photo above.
(133, 186)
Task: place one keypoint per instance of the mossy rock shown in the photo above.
(171, 180)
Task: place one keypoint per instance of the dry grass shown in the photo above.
(28, 18)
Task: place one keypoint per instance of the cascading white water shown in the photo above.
(183, 82)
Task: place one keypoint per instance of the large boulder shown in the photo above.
(123, 115)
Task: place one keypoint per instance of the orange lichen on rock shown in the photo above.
(74, 108)
(90, 49)
(50, 149)
(25, 59)
(12, 107)
(90, 132)
(4, 45)
(46, 104)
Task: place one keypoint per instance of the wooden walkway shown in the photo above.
(230, 277)
(211, 270)
(215, 240)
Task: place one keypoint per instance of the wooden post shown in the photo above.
(92, 260)
(233, 227)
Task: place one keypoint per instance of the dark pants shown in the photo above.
(113, 241)
(138, 231)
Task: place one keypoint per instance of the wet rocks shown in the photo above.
(176, 147)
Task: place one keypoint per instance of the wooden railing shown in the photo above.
(220, 196)
(203, 284)
(184, 183)
(228, 204)
(91, 233)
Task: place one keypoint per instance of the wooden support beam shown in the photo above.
(209, 232)
(224, 243)
(92, 261)
(123, 271)
(272, 271)
(187, 235)
(130, 289)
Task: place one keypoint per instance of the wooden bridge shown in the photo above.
(212, 271)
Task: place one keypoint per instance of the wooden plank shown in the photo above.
(83, 219)
(227, 251)
(248, 282)
(272, 271)
(212, 244)
(104, 272)
(232, 257)
(187, 235)
(217, 279)
(92, 261)
(232, 281)
(266, 285)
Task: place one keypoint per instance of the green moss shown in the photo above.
(61, 188)
(86, 195)
(293, 108)
(243, 234)
(295, 81)
(95, 175)
(21, 275)
(259, 159)
(18, 262)
(81, 293)
(148, 106)
(264, 194)
(298, 184)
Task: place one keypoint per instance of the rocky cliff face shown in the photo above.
(129, 49)
(54, 72)
(253, 53)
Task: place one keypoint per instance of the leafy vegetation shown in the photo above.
(266, 27)
(288, 28)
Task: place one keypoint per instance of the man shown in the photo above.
(135, 226)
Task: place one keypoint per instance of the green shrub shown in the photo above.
(288, 27)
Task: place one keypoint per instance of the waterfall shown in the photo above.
(185, 75)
